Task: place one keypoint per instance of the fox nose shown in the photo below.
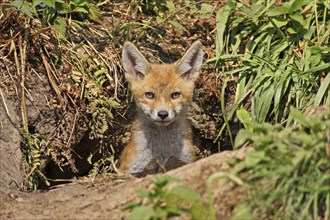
(162, 114)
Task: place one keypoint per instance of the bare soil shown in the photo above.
(104, 196)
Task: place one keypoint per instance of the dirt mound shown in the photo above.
(104, 197)
(99, 198)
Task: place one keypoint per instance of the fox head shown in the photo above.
(162, 91)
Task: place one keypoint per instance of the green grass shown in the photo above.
(288, 169)
(281, 56)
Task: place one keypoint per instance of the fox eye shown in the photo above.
(150, 95)
(175, 95)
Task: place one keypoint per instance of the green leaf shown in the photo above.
(300, 117)
(27, 10)
(205, 10)
(172, 210)
(94, 12)
(161, 213)
(241, 138)
(6, 8)
(253, 158)
(143, 192)
(164, 180)
(310, 32)
(113, 103)
(323, 90)
(199, 212)
(299, 18)
(60, 26)
(181, 195)
(291, 31)
(79, 3)
(242, 211)
(171, 7)
(317, 68)
(263, 100)
(315, 49)
(159, 20)
(176, 24)
(299, 156)
(281, 10)
(81, 10)
(277, 29)
(141, 212)
(280, 22)
(50, 3)
(62, 8)
(130, 205)
(18, 3)
(244, 117)
(37, 2)
(221, 24)
(297, 4)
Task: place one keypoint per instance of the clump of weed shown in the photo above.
(279, 50)
(33, 151)
(288, 169)
(57, 13)
(162, 202)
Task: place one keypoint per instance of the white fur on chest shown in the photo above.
(159, 144)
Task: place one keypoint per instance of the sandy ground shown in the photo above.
(104, 196)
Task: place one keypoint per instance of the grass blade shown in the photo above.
(323, 91)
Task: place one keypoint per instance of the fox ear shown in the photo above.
(134, 63)
(189, 65)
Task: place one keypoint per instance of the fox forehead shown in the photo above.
(162, 79)
(162, 75)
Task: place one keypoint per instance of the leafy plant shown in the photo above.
(280, 54)
(126, 30)
(33, 150)
(161, 202)
(161, 10)
(105, 164)
(203, 9)
(93, 79)
(288, 169)
(57, 12)
(155, 7)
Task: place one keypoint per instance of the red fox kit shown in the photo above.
(161, 135)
